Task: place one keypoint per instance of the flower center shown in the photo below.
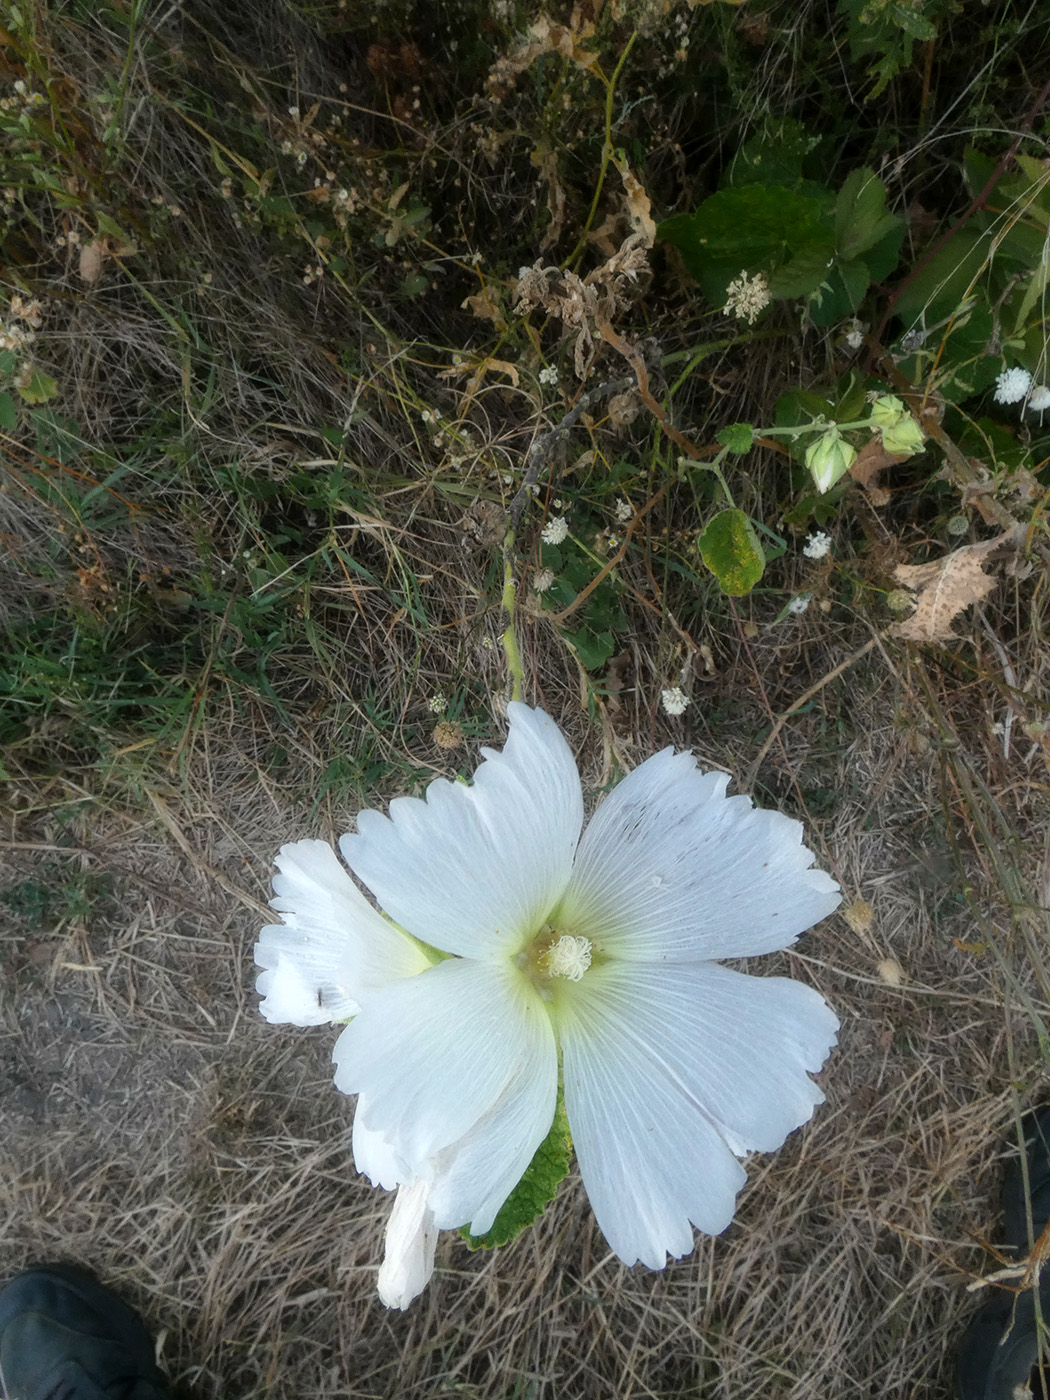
(570, 957)
(554, 957)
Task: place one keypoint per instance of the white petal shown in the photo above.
(374, 1156)
(332, 948)
(669, 1071)
(410, 1239)
(432, 1055)
(474, 1177)
(474, 870)
(669, 867)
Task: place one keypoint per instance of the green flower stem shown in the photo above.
(714, 466)
(510, 636)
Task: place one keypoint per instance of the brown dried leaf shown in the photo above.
(947, 586)
(872, 459)
(486, 307)
(485, 524)
(638, 205)
(92, 256)
(545, 37)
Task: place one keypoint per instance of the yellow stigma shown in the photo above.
(570, 957)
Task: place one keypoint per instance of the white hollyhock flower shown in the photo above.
(518, 942)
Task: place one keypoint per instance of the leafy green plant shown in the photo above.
(807, 243)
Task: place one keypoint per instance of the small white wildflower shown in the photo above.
(542, 580)
(427, 416)
(799, 604)
(674, 700)
(437, 704)
(549, 376)
(817, 545)
(624, 509)
(1038, 399)
(855, 334)
(555, 530)
(746, 297)
(1012, 385)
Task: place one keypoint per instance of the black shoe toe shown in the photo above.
(65, 1336)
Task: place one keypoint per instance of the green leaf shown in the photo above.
(861, 216)
(39, 388)
(840, 293)
(777, 155)
(593, 648)
(111, 228)
(8, 413)
(750, 227)
(537, 1187)
(806, 268)
(738, 437)
(730, 548)
(883, 257)
(943, 283)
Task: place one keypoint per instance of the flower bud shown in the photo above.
(887, 411)
(828, 459)
(904, 437)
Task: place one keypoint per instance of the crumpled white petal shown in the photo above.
(670, 868)
(411, 1235)
(332, 948)
(669, 1072)
(472, 869)
(432, 1055)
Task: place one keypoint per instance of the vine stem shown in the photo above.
(607, 150)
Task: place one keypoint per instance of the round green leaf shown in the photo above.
(738, 437)
(39, 388)
(729, 547)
